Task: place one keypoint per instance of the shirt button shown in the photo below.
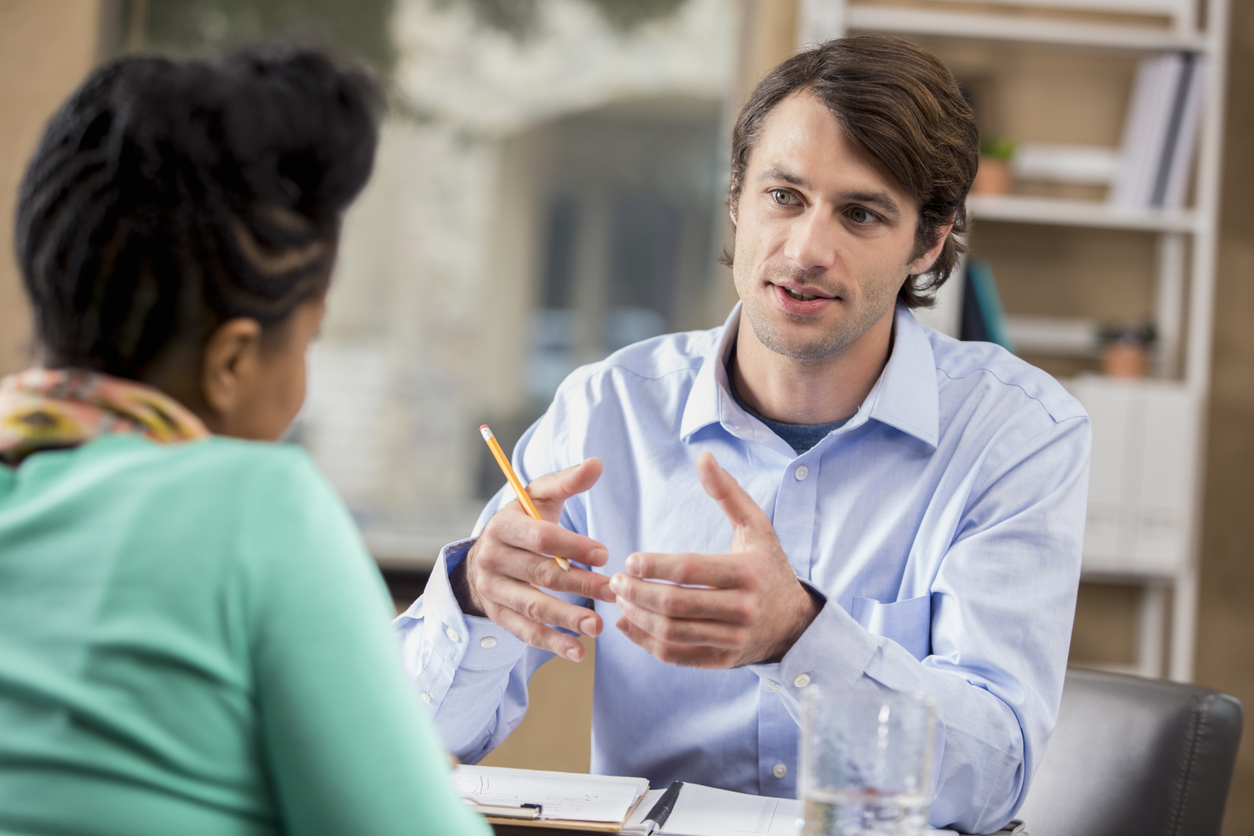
(771, 686)
(801, 680)
(488, 641)
(801, 473)
(779, 770)
(452, 634)
(425, 697)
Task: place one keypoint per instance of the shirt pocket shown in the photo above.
(908, 622)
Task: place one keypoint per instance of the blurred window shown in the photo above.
(548, 189)
(629, 233)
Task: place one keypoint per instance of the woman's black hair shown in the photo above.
(169, 195)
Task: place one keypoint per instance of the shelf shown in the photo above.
(1110, 574)
(1053, 336)
(1166, 8)
(1081, 213)
(1022, 29)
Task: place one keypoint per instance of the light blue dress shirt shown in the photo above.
(943, 523)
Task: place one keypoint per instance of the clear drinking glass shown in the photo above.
(866, 763)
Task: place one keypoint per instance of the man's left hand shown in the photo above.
(751, 608)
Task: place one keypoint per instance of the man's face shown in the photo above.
(824, 235)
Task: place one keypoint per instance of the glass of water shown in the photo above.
(866, 762)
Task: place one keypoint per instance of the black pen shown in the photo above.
(662, 810)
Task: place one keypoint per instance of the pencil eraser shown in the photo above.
(485, 432)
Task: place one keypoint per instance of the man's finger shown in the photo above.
(685, 631)
(542, 537)
(723, 488)
(720, 571)
(538, 635)
(725, 605)
(676, 654)
(546, 574)
(542, 608)
(548, 492)
(505, 562)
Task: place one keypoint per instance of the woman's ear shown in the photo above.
(229, 363)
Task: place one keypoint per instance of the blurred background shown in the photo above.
(551, 185)
(546, 191)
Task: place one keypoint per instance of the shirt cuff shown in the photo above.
(440, 640)
(833, 652)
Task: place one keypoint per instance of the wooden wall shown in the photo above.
(1225, 636)
(45, 50)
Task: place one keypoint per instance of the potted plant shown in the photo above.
(994, 176)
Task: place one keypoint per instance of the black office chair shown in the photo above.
(1135, 757)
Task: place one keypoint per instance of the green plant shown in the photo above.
(999, 148)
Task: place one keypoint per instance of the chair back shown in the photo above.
(1135, 757)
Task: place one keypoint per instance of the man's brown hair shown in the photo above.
(902, 106)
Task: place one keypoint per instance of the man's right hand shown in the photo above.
(506, 569)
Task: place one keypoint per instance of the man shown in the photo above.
(892, 509)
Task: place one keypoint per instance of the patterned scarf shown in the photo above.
(42, 409)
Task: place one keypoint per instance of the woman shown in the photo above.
(193, 639)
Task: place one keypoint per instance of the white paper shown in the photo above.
(564, 795)
(705, 811)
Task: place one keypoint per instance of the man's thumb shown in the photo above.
(550, 491)
(723, 488)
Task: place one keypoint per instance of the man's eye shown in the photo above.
(783, 197)
(861, 216)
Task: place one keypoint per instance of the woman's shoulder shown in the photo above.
(237, 455)
(212, 454)
(268, 499)
(217, 467)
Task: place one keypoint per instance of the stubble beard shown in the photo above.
(775, 335)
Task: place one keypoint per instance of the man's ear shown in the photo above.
(229, 363)
(924, 262)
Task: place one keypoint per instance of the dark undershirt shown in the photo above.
(800, 437)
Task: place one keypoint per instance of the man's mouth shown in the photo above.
(799, 296)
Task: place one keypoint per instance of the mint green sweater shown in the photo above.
(193, 640)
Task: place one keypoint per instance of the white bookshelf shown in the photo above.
(1083, 213)
(1145, 505)
(1016, 29)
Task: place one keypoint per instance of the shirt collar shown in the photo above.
(710, 401)
(908, 398)
(904, 397)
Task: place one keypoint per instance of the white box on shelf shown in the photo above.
(1105, 541)
(1142, 474)
(1054, 162)
(1169, 419)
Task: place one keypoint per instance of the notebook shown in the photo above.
(566, 800)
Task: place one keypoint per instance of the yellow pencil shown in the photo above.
(515, 483)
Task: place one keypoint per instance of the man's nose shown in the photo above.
(812, 241)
